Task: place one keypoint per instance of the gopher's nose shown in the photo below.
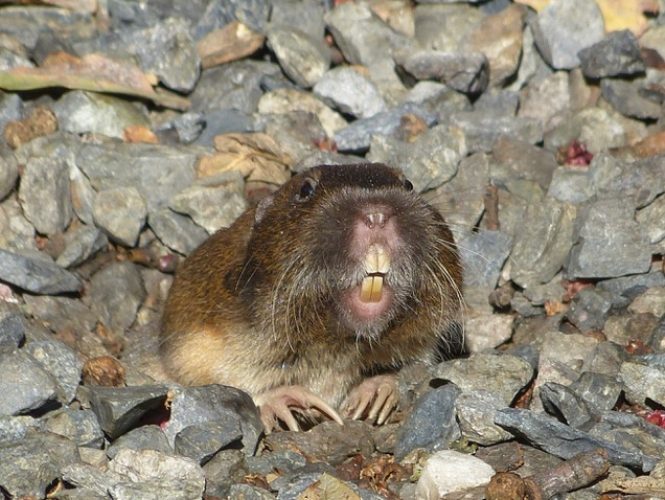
(376, 217)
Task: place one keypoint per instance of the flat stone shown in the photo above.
(286, 100)
(30, 466)
(61, 314)
(357, 136)
(121, 212)
(616, 54)
(200, 405)
(561, 401)
(12, 332)
(176, 231)
(224, 469)
(201, 442)
(483, 255)
(465, 72)
(218, 13)
(36, 275)
(429, 161)
(223, 121)
(552, 436)
(546, 99)
(475, 413)
(119, 409)
(651, 217)
(482, 129)
(569, 185)
(306, 15)
(596, 128)
(486, 331)
(83, 195)
(350, 92)
(17, 234)
(297, 132)
(235, 85)
(8, 169)
(61, 362)
(449, 471)
(212, 208)
(151, 472)
(598, 390)
(643, 381)
(81, 426)
(422, 430)
(249, 492)
(146, 437)
(361, 35)
(499, 37)
(652, 301)
(564, 27)
(44, 194)
(624, 289)
(82, 243)
(444, 26)
(117, 310)
(627, 98)
(515, 159)
(25, 384)
(609, 243)
(541, 248)
(303, 58)
(157, 172)
(589, 310)
(80, 112)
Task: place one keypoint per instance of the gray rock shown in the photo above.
(83, 195)
(482, 129)
(303, 58)
(306, 15)
(600, 391)
(610, 242)
(249, 492)
(12, 332)
(36, 275)
(121, 212)
(8, 169)
(218, 13)
(211, 208)
(358, 135)
(425, 90)
(199, 405)
(444, 27)
(235, 85)
(176, 231)
(570, 186)
(325, 158)
(157, 172)
(643, 381)
(626, 97)
(11, 108)
(459, 200)
(25, 385)
(589, 310)
(564, 27)
(44, 194)
(498, 101)
(224, 121)
(61, 314)
(501, 375)
(420, 430)
(556, 438)
(26, 24)
(484, 331)
(81, 112)
(146, 437)
(483, 255)
(81, 426)
(61, 362)
(475, 413)
(117, 310)
(596, 128)
(623, 290)
(562, 402)
(16, 428)
(543, 243)
(651, 218)
(168, 51)
(516, 160)
(360, 34)
(606, 358)
(297, 132)
(546, 99)
(154, 475)
(288, 461)
(225, 469)
(464, 72)
(29, 466)
(429, 161)
(616, 54)
(350, 92)
(188, 126)
(91, 481)
(82, 243)
(119, 409)
(201, 442)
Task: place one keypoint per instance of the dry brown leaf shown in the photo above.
(230, 43)
(40, 122)
(93, 72)
(139, 133)
(257, 157)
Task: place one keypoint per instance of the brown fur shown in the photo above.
(254, 305)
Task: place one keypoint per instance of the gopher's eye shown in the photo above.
(407, 185)
(306, 191)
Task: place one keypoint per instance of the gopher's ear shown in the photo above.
(262, 207)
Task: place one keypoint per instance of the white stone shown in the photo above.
(449, 471)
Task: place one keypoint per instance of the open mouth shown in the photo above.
(376, 264)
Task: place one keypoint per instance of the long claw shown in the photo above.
(378, 394)
(382, 395)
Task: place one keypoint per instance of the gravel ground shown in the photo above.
(133, 130)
